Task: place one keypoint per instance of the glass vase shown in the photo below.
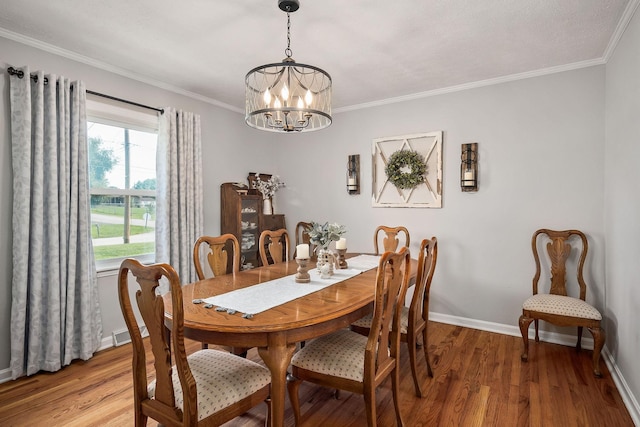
(325, 261)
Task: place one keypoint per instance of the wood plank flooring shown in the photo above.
(479, 380)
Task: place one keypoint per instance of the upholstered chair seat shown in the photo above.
(222, 379)
(340, 354)
(562, 306)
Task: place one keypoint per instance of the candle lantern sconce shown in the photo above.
(469, 167)
(353, 174)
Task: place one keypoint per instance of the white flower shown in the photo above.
(268, 188)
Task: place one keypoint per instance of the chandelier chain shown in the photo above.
(287, 51)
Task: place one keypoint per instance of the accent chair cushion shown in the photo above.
(339, 354)
(221, 379)
(561, 305)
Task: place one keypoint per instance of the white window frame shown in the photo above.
(108, 112)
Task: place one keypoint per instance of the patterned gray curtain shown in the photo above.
(179, 212)
(55, 317)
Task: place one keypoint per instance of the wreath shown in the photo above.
(397, 164)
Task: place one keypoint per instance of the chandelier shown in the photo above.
(288, 96)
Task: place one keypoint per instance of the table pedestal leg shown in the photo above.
(277, 357)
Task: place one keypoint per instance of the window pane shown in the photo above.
(108, 160)
(121, 164)
(109, 228)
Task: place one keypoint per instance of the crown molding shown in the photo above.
(474, 85)
(620, 28)
(111, 68)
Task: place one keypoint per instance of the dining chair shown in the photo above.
(302, 237)
(349, 361)
(208, 387)
(217, 250)
(390, 238)
(556, 306)
(222, 254)
(415, 318)
(274, 246)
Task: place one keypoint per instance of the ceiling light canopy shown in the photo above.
(288, 96)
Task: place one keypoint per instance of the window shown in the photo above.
(122, 175)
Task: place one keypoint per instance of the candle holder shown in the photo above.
(469, 167)
(341, 260)
(302, 276)
(353, 174)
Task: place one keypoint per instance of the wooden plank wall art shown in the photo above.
(407, 171)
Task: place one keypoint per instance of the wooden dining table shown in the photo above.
(276, 331)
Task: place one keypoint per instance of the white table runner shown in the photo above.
(266, 295)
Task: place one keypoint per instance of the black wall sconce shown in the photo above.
(353, 174)
(469, 167)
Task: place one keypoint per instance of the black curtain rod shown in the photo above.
(160, 110)
(34, 77)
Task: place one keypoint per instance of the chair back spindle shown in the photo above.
(390, 238)
(274, 246)
(223, 255)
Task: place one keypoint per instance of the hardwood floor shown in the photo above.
(479, 381)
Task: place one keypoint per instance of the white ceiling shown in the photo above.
(374, 50)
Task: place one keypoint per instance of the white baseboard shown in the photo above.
(107, 342)
(5, 375)
(630, 401)
(513, 330)
(628, 398)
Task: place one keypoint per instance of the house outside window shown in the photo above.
(122, 173)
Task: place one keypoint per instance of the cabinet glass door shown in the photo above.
(250, 233)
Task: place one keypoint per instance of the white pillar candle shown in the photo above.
(351, 184)
(302, 251)
(342, 243)
(468, 178)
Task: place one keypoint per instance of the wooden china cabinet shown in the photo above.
(241, 215)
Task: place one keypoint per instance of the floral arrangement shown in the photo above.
(269, 187)
(323, 234)
(405, 169)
